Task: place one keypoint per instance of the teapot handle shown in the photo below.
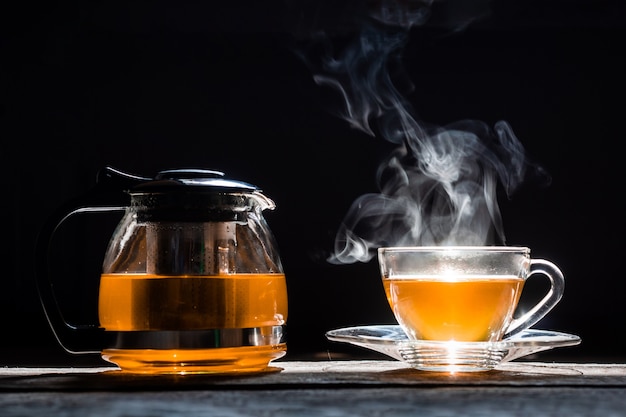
(109, 194)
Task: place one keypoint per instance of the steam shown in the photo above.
(439, 184)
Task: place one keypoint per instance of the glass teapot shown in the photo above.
(191, 280)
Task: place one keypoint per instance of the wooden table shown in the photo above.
(332, 388)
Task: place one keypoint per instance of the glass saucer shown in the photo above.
(450, 356)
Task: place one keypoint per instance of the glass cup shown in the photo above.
(458, 303)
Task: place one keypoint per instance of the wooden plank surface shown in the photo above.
(333, 388)
(310, 374)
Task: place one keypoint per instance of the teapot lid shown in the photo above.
(190, 187)
(193, 179)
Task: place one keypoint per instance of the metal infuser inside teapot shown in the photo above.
(191, 280)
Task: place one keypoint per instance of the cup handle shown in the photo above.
(543, 307)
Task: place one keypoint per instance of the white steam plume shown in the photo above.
(438, 187)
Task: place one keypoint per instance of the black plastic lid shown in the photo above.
(192, 180)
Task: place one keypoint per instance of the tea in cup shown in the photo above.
(464, 294)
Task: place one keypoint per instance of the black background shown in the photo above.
(149, 86)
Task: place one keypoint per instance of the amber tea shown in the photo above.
(154, 302)
(239, 313)
(454, 309)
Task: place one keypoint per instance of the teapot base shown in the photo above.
(231, 360)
